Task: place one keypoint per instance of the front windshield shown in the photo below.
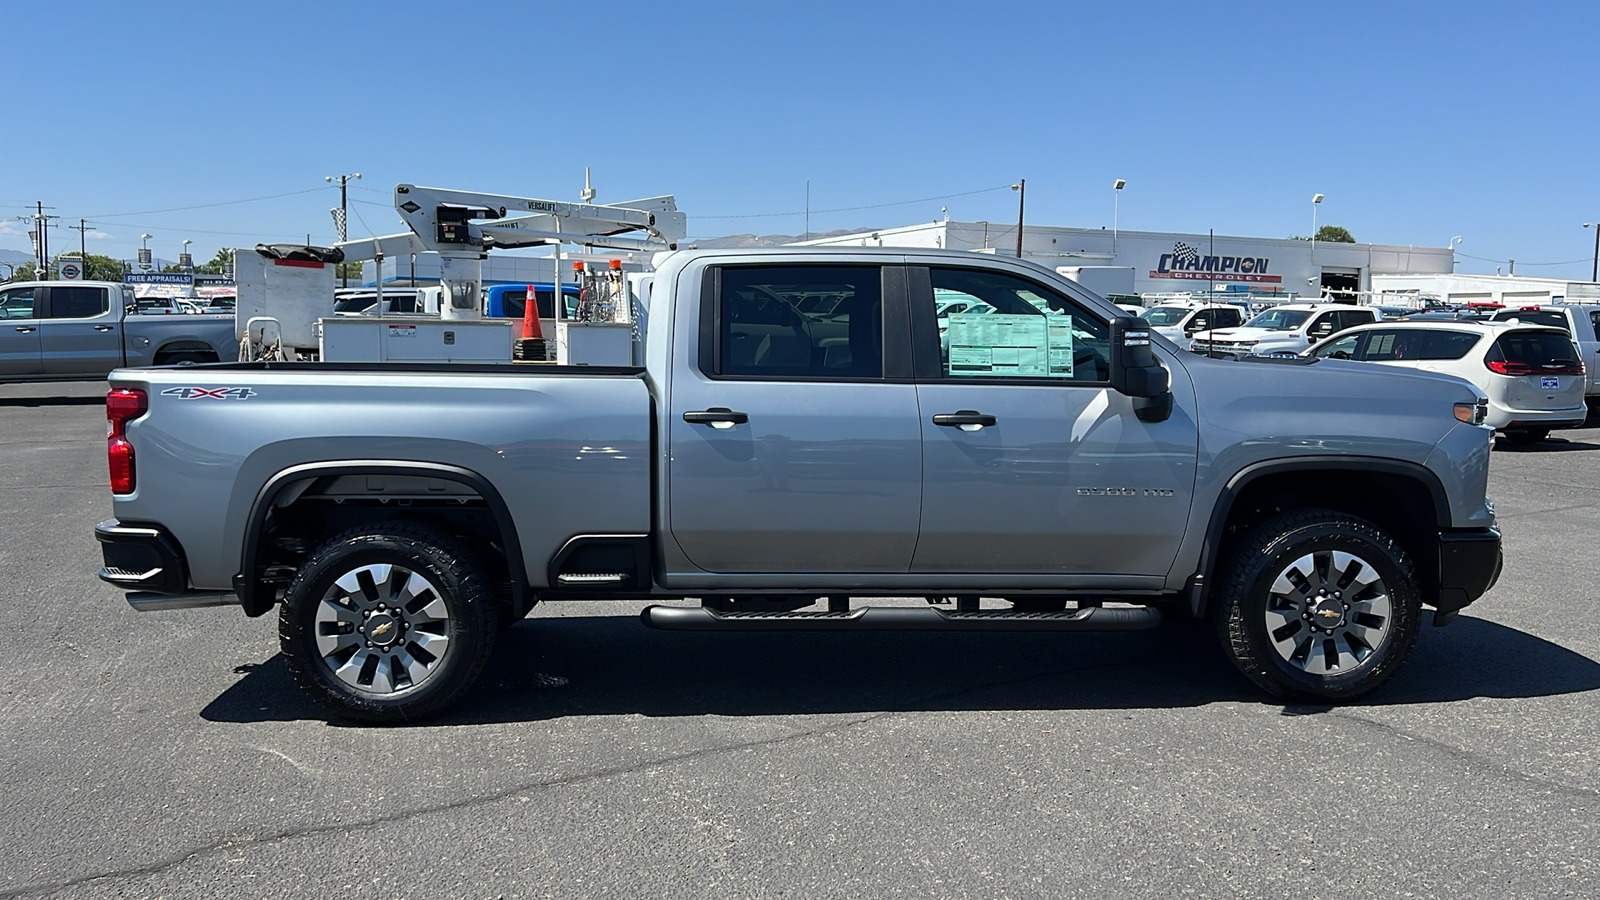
(1279, 319)
(1165, 315)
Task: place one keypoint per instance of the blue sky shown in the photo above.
(1417, 121)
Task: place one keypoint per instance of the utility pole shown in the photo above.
(344, 202)
(1021, 187)
(41, 246)
(82, 228)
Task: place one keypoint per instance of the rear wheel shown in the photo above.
(1318, 606)
(387, 623)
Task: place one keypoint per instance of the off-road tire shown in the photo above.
(459, 582)
(1240, 613)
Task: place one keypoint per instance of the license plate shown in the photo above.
(1550, 382)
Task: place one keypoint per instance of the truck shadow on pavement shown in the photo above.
(96, 400)
(611, 665)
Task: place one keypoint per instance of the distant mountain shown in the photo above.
(15, 257)
(765, 240)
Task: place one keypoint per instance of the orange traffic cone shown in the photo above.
(530, 317)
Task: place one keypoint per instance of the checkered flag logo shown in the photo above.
(1184, 253)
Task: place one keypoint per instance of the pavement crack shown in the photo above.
(1476, 760)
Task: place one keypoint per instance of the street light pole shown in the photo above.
(1316, 201)
(1116, 207)
(343, 217)
(1021, 187)
(1595, 275)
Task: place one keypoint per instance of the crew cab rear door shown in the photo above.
(792, 422)
(1032, 464)
(80, 334)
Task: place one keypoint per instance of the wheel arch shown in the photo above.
(1405, 499)
(182, 345)
(257, 596)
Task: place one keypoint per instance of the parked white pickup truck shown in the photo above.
(1287, 329)
(78, 330)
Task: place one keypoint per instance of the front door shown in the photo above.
(1032, 464)
(793, 448)
(80, 334)
(19, 332)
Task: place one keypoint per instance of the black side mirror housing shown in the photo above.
(1136, 371)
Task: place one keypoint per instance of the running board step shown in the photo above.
(902, 618)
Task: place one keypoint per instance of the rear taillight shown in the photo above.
(1572, 367)
(1501, 367)
(122, 406)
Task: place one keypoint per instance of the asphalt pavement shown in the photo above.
(169, 755)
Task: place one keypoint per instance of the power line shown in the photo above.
(1006, 187)
(149, 212)
(1568, 262)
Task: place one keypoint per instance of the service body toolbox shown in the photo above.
(415, 339)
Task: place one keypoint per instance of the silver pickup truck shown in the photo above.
(808, 433)
(77, 330)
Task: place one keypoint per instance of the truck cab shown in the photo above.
(1287, 329)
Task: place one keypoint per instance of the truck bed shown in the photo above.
(573, 438)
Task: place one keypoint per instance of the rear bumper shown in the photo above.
(1469, 565)
(147, 562)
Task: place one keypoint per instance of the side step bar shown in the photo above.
(901, 618)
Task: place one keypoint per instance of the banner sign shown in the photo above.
(181, 278)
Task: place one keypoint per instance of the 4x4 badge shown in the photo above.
(199, 393)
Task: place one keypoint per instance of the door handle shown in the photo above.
(26, 329)
(964, 419)
(105, 328)
(716, 417)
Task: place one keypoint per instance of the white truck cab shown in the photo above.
(1286, 329)
(1178, 323)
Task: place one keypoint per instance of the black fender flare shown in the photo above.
(1198, 587)
(256, 599)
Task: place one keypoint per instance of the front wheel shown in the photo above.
(1318, 606)
(387, 623)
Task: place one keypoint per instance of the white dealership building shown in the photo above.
(1140, 262)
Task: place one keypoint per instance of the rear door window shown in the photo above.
(77, 302)
(799, 322)
(1226, 318)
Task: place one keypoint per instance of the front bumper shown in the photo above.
(1469, 565)
(147, 561)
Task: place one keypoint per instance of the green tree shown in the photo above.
(217, 264)
(24, 272)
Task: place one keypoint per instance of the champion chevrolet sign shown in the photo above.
(1186, 263)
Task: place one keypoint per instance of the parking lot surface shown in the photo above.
(169, 755)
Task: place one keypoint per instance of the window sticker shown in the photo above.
(1010, 346)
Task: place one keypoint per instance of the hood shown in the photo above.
(1245, 334)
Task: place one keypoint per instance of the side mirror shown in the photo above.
(1136, 372)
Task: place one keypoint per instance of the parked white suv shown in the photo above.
(1580, 321)
(1531, 373)
(1178, 323)
(1286, 329)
